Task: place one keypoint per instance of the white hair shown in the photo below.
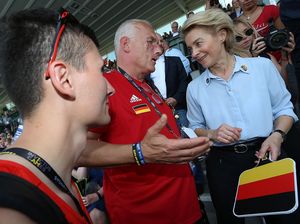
(128, 29)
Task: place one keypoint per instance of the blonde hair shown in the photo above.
(213, 20)
(236, 48)
(240, 20)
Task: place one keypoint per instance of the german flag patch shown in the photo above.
(141, 108)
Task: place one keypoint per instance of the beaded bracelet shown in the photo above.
(138, 154)
(135, 155)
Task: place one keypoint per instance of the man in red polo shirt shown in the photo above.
(144, 192)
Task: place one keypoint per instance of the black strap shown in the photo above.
(154, 88)
(20, 195)
(47, 170)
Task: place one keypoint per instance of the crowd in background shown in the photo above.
(9, 122)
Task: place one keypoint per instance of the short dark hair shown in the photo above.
(26, 39)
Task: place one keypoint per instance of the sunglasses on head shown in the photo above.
(248, 33)
(64, 17)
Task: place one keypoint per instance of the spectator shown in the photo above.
(2, 142)
(175, 29)
(144, 192)
(251, 107)
(93, 196)
(236, 9)
(6, 119)
(290, 16)
(19, 130)
(171, 80)
(252, 45)
(174, 52)
(261, 17)
(211, 4)
(228, 8)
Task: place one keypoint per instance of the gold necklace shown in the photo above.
(247, 17)
(253, 12)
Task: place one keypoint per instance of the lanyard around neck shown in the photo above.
(132, 82)
(47, 170)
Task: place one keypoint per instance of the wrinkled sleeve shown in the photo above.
(194, 111)
(280, 96)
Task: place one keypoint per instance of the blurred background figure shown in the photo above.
(90, 183)
(175, 29)
(236, 10)
(189, 14)
(248, 43)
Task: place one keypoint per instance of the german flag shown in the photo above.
(267, 189)
(141, 108)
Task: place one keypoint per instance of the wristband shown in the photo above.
(135, 155)
(138, 154)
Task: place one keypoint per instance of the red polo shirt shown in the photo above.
(154, 193)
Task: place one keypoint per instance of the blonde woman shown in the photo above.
(248, 43)
(241, 104)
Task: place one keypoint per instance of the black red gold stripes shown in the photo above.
(266, 189)
(141, 108)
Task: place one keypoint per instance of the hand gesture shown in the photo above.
(158, 148)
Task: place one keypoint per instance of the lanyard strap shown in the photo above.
(154, 88)
(47, 170)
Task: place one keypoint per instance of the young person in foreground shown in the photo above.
(59, 98)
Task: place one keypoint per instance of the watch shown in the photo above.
(282, 133)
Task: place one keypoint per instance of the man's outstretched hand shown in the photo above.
(157, 148)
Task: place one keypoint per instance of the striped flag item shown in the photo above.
(269, 189)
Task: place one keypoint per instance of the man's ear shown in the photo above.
(124, 44)
(60, 75)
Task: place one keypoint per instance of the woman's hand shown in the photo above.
(271, 145)
(258, 46)
(291, 44)
(226, 134)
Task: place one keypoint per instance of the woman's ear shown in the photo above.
(222, 34)
(61, 78)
